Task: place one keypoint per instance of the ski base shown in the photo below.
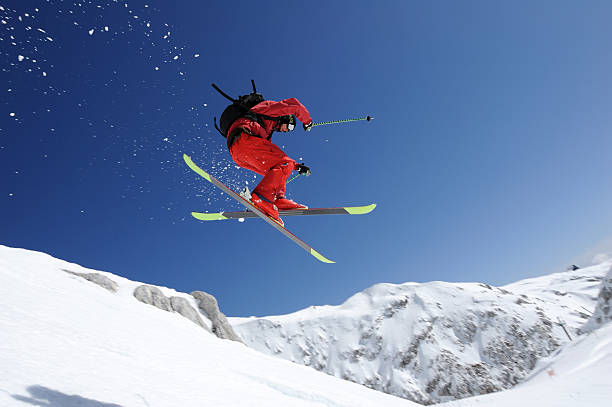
(346, 210)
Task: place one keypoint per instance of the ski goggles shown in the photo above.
(290, 121)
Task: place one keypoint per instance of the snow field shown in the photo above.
(67, 341)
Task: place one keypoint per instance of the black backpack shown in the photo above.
(240, 107)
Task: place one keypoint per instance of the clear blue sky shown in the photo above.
(489, 158)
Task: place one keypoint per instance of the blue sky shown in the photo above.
(489, 158)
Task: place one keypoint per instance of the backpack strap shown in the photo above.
(217, 127)
(225, 94)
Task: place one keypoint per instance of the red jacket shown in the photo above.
(275, 109)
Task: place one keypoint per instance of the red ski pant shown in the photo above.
(267, 159)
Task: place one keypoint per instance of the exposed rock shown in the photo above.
(207, 303)
(98, 279)
(182, 306)
(153, 296)
(220, 326)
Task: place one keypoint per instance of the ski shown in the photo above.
(346, 210)
(254, 209)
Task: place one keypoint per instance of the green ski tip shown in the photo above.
(319, 256)
(360, 210)
(208, 216)
(196, 168)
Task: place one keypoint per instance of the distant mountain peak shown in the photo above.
(432, 342)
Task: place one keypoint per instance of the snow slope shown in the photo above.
(579, 375)
(67, 342)
(437, 341)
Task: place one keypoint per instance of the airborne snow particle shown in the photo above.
(176, 57)
(12, 114)
(91, 31)
(20, 58)
(196, 56)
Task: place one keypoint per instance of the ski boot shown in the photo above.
(266, 207)
(285, 204)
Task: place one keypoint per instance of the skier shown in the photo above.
(249, 143)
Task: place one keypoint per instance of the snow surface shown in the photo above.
(67, 342)
(579, 375)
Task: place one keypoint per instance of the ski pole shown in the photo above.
(368, 118)
(298, 175)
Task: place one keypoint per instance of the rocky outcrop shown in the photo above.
(182, 306)
(220, 326)
(153, 296)
(207, 304)
(98, 279)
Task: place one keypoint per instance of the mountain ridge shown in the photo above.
(436, 341)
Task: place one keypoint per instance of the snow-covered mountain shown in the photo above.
(576, 375)
(73, 337)
(603, 311)
(437, 341)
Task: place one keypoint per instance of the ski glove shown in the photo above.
(308, 126)
(302, 169)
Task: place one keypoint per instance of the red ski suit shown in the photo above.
(254, 150)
